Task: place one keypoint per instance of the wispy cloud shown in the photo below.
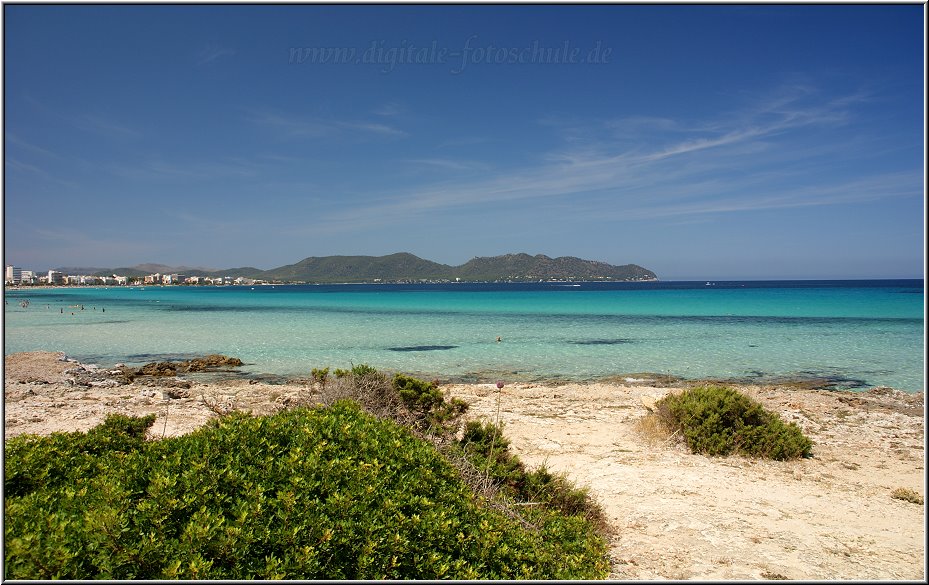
(15, 140)
(72, 245)
(18, 165)
(295, 126)
(154, 169)
(100, 124)
(42, 163)
(212, 52)
(105, 127)
(720, 165)
(389, 110)
(449, 164)
(374, 127)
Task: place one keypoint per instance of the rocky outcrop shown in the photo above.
(211, 361)
(158, 369)
(200, 364)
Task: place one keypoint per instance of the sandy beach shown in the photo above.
(674, 515)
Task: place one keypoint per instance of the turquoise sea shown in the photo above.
(857, 333)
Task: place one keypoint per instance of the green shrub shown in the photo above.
(719, 421)
(365, 371)
(320, 376)
(488, 451)
(328, 493)
(62, 459)
(427, 403)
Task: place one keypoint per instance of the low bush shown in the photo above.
(408, 401)
(907, 495)
(325, 493)
(432, 411)
(488, 451)
(715, 420)
(320, 375)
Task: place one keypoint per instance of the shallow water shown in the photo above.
(860, 333)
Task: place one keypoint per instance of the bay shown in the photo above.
(857, 334)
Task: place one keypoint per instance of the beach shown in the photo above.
(673, 515)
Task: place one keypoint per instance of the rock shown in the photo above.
(159, 369)
(195, 365)
(109, 383)
(174, 383)
(649, 402)
(175, 393)
(211, 361)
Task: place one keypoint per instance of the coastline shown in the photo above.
(674, 515)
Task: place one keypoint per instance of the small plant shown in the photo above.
(428, 405)
(651, 428)
(907, 495)
(716, 420)
(365, 371)
(320, 376)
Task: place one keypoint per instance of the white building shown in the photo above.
(55, 277)
(14, 275)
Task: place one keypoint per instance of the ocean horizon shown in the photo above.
(854, 334)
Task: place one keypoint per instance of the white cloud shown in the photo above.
(708, 166)
(212, 52)
(295, 126)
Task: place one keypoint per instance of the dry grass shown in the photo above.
(907, 495)
(651, 428)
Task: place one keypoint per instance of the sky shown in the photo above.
(701, 142)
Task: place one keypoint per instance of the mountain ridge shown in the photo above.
(407, 267)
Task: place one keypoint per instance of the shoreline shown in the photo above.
(650, 379)
(674, 515)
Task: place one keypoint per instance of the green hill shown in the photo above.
(405, 267)
(401, 266)
(541, 267)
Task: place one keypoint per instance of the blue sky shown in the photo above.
(702, 142)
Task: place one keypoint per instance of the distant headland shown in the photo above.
(393, 268)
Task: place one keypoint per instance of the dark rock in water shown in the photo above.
(159, 369)
(211, 361)
(200, 364)
(618, 341)
(423, 348)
